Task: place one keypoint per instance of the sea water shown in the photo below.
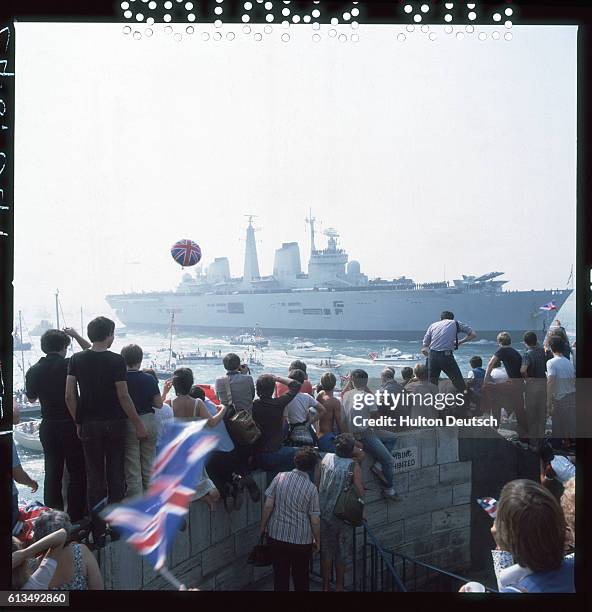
(349, 354)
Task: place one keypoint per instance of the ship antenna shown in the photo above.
(570, 279)
(311, 221)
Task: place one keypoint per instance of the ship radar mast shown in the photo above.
(332, 234)
(251, 268)
(311, 221)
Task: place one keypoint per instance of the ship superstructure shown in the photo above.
(332, 299)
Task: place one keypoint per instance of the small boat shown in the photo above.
(27, 435)
(304, 348)
(41, 328)
(395, 356)
(253, 360)
(27, 409)
(19, 345)
(207, 356)
(255, 338)
(385, 355)
(328, 364)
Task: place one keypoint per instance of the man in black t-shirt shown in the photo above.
(534, 371)
(513, 389)
(268, 413)
(46, 381)
(100, 414)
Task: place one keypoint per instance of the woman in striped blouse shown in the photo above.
(291, 519)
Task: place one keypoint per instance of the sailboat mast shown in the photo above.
(21, 337)
(171, 340)
(57, 310)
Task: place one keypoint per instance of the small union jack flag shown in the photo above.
(186, 252)
(549, 306)
(150, 523)
(489, 504)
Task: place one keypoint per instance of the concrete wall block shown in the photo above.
(390, 536)
(148, 574)
(121, 569)
(419, 502)
(208, 585)
(239, 519)
(417, 526)
(424, 477)
(190, 572)
(427, 447)
(377, 513)
(427, 545)
(461, 537)
(245, 540)
(402, 482)
(451, 518)
(254, 509)
(461, 494)
(234, 577)
(373, 492)
(260, 573)
(220, 524)
(218, 556)
(446, 444)
(455, 473)
(199, 526)
(181, 548)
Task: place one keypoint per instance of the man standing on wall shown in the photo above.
(439, 344)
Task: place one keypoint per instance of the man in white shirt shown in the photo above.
(561, 392)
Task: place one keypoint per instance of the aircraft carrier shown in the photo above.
(332, 299)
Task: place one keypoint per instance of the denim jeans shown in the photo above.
(381, 450)
(327, 442)
(61, 445)
(444, 361)
(281, 460)
(103, 443)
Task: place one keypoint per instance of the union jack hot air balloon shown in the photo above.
(186, 253)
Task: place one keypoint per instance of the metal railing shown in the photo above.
(378, 572)
(388, 570)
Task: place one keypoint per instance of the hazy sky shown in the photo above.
(423, 154)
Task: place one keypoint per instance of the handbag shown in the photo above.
(260, 556)
(349, 507)
(240, 424)
(299, 435)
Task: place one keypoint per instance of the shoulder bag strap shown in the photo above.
(228, 390)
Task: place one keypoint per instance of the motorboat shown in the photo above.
(305, 348)
(27, 435)
(328, 364)
(199, 356)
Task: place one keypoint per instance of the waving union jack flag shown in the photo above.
(151, 523)
(489, 504)
(549, 306)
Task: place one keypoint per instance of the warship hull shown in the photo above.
(336, 313)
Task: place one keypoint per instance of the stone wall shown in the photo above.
(210, 554)
(431, 522)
